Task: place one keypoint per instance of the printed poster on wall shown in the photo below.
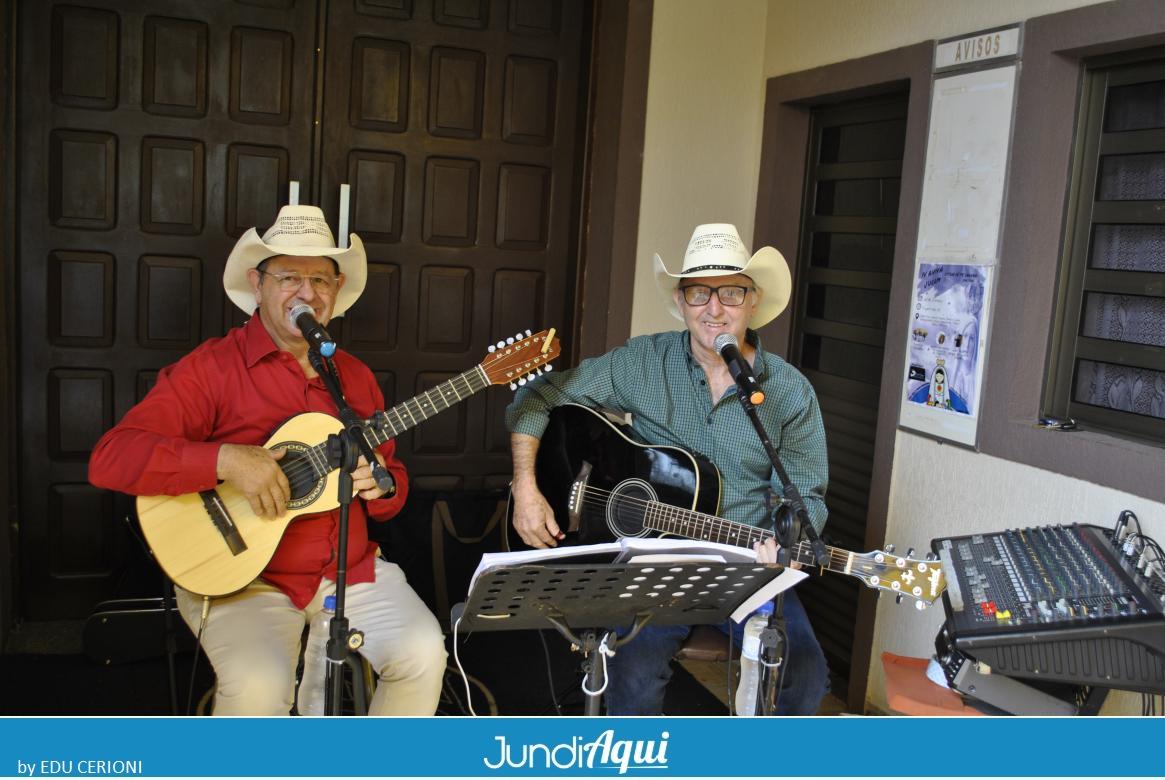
(945, 356)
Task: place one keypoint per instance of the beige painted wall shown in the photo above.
(803, 35)
(705, 100)
(702, 150)
(702, 137)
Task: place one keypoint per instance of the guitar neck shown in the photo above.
(667, 519)
(391, 423)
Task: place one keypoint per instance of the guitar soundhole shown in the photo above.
(627, 506)
(300, 474)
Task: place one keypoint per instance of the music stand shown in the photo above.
(577, 596)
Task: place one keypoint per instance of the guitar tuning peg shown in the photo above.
(530, 376)
(528, 333)
(889, 548)
(499, 345)
(513, 386)
(910, 552)
(519, 336)
(538, 371)
(548, 367)
(491, 348)
(920, 605)
(898, 599)
(522, 381)
(931, 556)
(510, 340)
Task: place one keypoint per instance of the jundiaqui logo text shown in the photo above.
(604, 752)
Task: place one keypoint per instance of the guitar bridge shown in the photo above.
(574, 503)
(223, 522)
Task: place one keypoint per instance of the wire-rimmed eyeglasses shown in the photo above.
(291, 281)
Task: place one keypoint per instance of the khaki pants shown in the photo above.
(252, 639)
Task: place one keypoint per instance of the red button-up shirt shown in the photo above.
(238, 389)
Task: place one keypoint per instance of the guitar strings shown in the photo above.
(598, 497)
(306, 465)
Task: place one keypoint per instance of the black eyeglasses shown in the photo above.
(729, 294)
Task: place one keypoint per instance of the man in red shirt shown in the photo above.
(206, 419)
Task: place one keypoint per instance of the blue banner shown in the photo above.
(607, 747)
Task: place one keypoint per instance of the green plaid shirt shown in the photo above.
(661, 384)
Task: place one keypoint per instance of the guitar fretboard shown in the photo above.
(391, 423)
(668, 519)
(395, 421)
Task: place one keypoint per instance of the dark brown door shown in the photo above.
(456, 122)
(152, 134)
(839, 325)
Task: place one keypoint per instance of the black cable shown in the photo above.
(549, 672)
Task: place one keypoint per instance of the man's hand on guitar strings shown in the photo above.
(533, 517)
(364, 484)
(766, 551)
(255, 472)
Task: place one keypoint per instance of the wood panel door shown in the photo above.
(458, 125)
(152, 133)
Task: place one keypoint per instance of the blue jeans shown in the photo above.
(640, 669)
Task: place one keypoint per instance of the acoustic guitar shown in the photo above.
(604, 484)
(211, 543)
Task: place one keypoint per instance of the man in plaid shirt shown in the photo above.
(679, 392)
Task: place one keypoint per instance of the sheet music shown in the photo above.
(637, 550)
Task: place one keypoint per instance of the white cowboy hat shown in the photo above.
(299, 231)
(716, 250)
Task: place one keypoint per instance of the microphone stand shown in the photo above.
(344, 450)
(790, 519)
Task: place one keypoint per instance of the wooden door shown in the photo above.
(458, 125)
(152, 133)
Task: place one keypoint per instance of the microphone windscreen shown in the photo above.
(298, 310)
(725, 340)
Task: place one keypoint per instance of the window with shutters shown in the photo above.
(1107, 368)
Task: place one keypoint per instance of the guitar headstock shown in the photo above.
(516, 360)
(920, 580)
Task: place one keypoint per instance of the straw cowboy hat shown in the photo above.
(716, 250)
(299, 231)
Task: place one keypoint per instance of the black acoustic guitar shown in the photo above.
(604, 484)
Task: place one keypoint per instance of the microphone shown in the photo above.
(303, 317)
(729, 349)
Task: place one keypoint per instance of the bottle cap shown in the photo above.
(330, 603)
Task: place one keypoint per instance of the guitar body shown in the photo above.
(204, 557)
(605, 485)
(212, 544)
(582, 443)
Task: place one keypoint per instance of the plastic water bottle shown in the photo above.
(750, 660)
(315, 661)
